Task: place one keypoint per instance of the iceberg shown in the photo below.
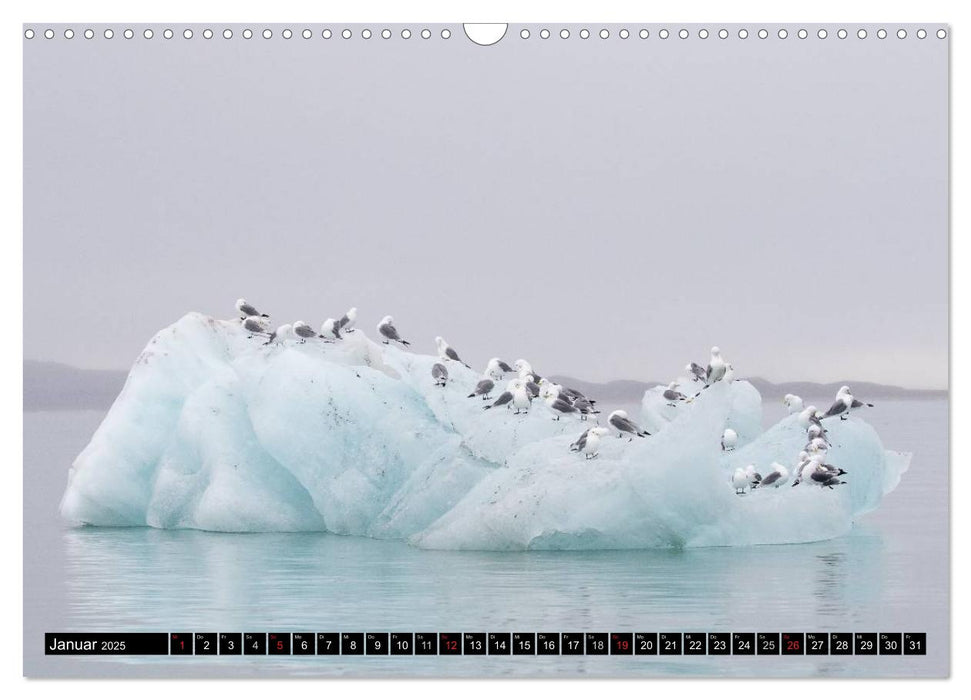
(214, 430)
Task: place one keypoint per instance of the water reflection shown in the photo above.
(150, 579)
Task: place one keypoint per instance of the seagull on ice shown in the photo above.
(672, 395)
(816, 431)
(696, 371)
(845, 402)
(585, 407)
(619, 421)
(303, 331)
(255, 325)
(793, 403)
(558, 406)
(777, 477)
(330, 330)
(809, 416)
(729, 440)
(247, 309)
(580, 441)
(531, 386)
(523, 368)
(440, 374)
(740, 481)
(280, 334)
(591, 443)
(497, 369)
(347, 321)
(754, 478)
(520, 397)
(815, 472)
(446, 351)
(386, 328)
(716, 367)
(483, 388)
(502, 400)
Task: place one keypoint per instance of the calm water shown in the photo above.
(891, 574)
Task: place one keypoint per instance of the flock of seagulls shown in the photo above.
(811, 466)
(524, 386)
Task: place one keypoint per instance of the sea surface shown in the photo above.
(891, 574)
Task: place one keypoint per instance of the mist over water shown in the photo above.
(888, 575)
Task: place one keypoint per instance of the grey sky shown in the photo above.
(606, 209)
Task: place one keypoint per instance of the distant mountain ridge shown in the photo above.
(51, 386)
(55, 386)
(632, 390)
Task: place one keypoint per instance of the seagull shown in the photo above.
(817, 445)
(440, 374)
(793, 403)
(816, 431)
(503, 399)
(716, 367)
(483, 388)
(280, 334)
(387, 329)
(845, 402)
(558, 406)
(347, 321)
(304, 331)
(671, 394)
(777, 477)
(496, 369)
(622, 424)
(591, 444)
(531, 386)
(809, 416)
(330, 329)
(585, 407)
(247, 309)
(754, 478)
(523, 368)
(255, 325)
(580, 441)
(729, 440)
(446, 351)
(740, 481)
(520, 397)
(696, 371)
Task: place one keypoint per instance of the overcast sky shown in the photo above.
(606, 209)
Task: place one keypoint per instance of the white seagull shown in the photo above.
(777, 477)
(246, 309)
(729, 440)
(255, 325)
(716, 367)
(497, 369)
(672, 395)
(845, 402)
(793, 403)
(347, 321)
(387, 330)
(740, 481)
(591, 443)
(483, 388)
(446, 351)
(440, 374)
(280, 334)
(558, 406)
(330, 329)
(303, 331)
(622, 425)
(520, 397)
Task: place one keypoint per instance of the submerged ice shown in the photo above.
(215, 430)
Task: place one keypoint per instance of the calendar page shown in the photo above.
(527, 350)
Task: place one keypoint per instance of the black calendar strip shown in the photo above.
(487, 643)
